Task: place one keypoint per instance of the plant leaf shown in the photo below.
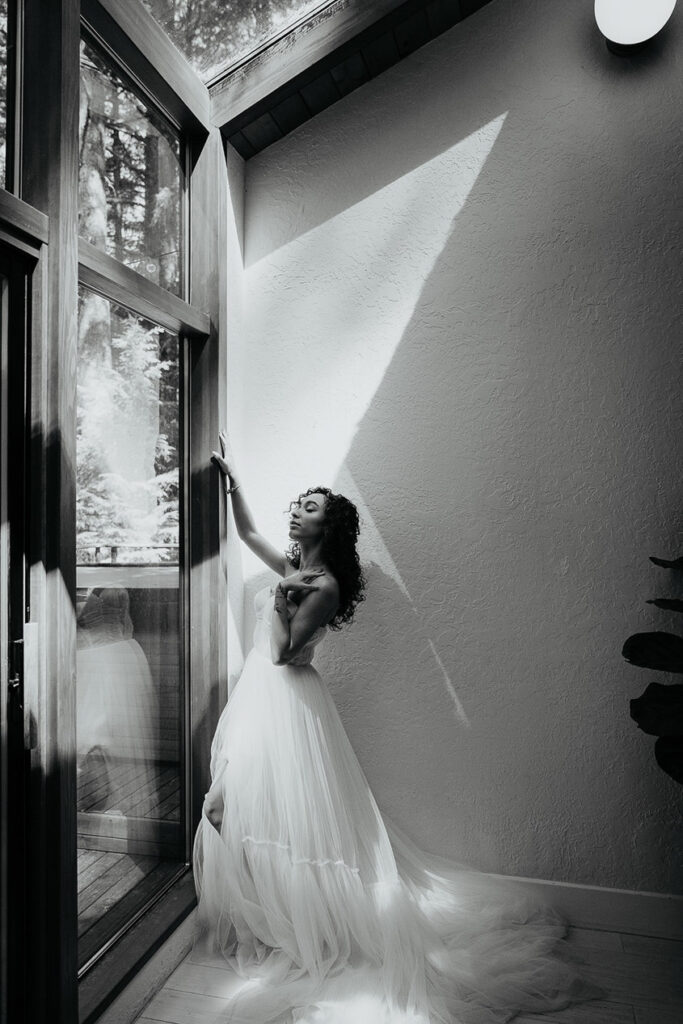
(659, 711)
(670, 604)
(667, 563)
(660, 651)
(669, 756)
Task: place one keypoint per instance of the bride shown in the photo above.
(327, 913)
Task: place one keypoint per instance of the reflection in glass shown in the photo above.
(213, 34)
(131, 174)
(129, 684)
(117, 706)
(3, 90)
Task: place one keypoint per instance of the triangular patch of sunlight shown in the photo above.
(326, 313)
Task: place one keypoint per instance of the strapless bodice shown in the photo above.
(263, 603)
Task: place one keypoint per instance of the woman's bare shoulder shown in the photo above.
(328, 583)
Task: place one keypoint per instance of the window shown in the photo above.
(118, 384)
(130, 764)
(213, 34)
(132, 831)
(128, 438)
(8, 31)
(132, 174)
(3, 89)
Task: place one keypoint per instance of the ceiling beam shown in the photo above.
(280, 60)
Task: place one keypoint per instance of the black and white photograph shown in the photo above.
(341, 493)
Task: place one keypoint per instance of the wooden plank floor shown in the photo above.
(642, 977)
(133, 788)
(112, 886)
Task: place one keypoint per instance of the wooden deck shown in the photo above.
(642, 976)
(112, 887)
(129, 843)
(134, 789)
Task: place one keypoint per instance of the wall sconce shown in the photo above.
(627, 25)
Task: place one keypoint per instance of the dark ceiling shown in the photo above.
(283, 103)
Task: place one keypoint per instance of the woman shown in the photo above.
(320, 904)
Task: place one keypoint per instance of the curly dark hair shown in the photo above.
(341, 527)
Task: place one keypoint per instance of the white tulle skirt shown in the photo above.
(326, 911)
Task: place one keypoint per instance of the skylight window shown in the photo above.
(216, 34)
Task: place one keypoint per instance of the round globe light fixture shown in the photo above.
(629, 24)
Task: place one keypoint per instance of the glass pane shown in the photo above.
(131, 837)
(131, 178)
(3, 90)
(213, 34)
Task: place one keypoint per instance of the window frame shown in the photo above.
(24, 234)
(94, 39)
(120, 284)
(140, 44)
(49, 95)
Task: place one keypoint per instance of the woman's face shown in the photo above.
(306, 518)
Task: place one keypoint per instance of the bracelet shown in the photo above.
(229, 490)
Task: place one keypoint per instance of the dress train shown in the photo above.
(324, 909)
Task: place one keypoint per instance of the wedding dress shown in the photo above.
(326, 911)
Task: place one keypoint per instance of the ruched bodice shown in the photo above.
(263, 603)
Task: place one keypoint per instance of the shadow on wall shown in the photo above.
(561, 49)
(383, 672)
(495, 372)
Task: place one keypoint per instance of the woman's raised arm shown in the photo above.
(244, 520)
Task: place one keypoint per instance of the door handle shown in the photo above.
(16, 650)
(23, 684)
(14, 684)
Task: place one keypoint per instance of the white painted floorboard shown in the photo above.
(642, 976)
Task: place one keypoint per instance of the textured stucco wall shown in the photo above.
(461, 309)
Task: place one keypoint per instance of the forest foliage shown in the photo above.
(3, 89)
(128, 411)
(214, 33)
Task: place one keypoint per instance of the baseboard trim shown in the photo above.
(659, 915)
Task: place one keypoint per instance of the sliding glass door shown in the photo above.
(130, 660)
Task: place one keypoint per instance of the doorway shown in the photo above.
(15, 741)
